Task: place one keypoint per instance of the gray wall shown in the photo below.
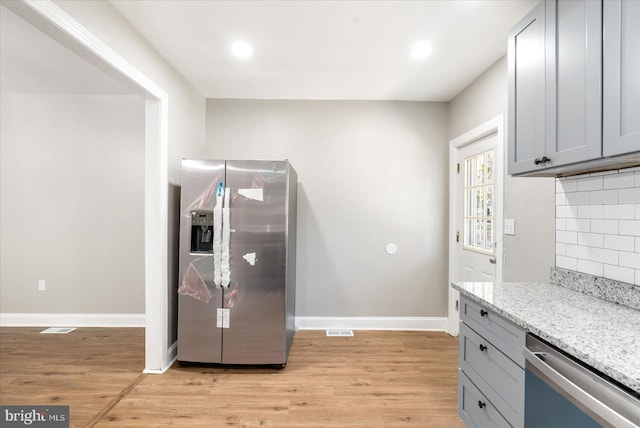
(529, 254)
(352, 158)
(186, 127)
(186, 110)
(72, 203)
(369, 173)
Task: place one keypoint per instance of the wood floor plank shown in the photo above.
(84, 369)
(374, 379)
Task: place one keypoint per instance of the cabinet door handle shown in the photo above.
(543, 159)
(482, 347)
(481, 404)
(483, 312)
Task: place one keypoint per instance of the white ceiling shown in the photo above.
(354, 50)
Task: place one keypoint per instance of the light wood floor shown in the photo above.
(375, 379)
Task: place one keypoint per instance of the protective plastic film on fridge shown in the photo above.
(237, 273)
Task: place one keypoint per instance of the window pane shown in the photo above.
(479, 207)
(490, 163)
(468, 233)
(489, 201)
(478, 204)
(479, 234)
(479, 170)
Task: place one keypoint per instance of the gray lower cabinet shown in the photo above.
(574, 90)
(491, 368)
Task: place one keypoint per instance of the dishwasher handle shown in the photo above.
(587, 401)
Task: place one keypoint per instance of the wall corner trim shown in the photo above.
(71, 320)
(372, 323)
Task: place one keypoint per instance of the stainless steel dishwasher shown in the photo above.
(563, 392)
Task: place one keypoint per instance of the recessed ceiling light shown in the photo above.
(420, 50)
(241, 49)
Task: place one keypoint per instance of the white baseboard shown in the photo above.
(172, 354)
(372, 323)
(71, 320)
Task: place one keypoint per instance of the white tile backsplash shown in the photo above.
(598, 224)
(630, 260)
(629, 196)
(578, 224)
(566, 237)
(619, 212)
(630, 227)
(591, 239)
(589, 211)
(567, 262)
(619, 181)
(589, 183)
(605, 226)
(604, 197)
(564, 211)
(619, 273)
(620, 243)
(592, 268)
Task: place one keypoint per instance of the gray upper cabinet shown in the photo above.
(621, 77)
(574, 88)
(526, 113)
(573, 104)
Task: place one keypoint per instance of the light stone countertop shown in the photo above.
(604, 335)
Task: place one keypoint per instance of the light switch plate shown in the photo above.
(509, 226)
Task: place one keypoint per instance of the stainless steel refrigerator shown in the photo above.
(237, 273)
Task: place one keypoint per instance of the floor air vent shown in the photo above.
(58, 330)
(340, 333)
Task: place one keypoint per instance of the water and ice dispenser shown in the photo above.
(202, 231)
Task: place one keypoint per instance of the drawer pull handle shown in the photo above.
(482, 347)
(481, 404)
(483, 313)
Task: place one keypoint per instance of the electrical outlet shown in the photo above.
(509, 226)
(41, 285)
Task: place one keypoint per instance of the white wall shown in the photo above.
(529, 255)
(72, 203)
(369, 173)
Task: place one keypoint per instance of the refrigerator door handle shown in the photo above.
(217, 236)
(226, 237)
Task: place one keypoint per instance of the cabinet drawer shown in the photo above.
(474, 408)
(500, 379)
(502, 333)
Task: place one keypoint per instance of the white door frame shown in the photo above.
(49, 17)
(493, 126)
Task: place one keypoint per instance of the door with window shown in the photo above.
(477, 231)
(476, 214)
